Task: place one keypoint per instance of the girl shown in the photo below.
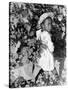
(46, 61)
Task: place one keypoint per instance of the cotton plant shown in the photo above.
(40, 82)
(62, 80)
(14, 56)
(20, 70)
(14, 73)
(28, 52)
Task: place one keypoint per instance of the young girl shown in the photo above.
(46, 61)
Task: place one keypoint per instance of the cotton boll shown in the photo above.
(17, 46)
(63, 34)
(60, 17)
(63, 28)
(38, 33)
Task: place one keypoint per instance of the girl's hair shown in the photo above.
(46, 19)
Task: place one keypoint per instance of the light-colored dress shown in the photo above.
(46, 62)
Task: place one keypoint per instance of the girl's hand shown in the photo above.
(44, 46)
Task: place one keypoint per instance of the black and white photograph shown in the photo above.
(37, 45)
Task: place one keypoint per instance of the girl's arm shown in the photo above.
(48, 42)
(50, 46)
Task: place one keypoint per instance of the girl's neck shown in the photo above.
(44, 31)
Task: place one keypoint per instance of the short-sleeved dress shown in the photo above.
(46, 61)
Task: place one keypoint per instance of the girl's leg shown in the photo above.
(41, 71)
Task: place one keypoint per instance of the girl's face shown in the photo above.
(47, 24)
